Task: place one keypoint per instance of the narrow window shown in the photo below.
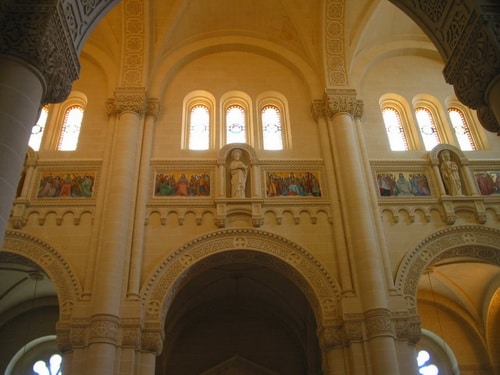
(235, 125)
(199, 128)
(271, 128)
(38, 129)
(427, 127)
(461, 129)
(71, 129)
(394, 129)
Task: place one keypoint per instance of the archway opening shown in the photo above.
(240, 314)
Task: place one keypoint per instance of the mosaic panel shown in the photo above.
(292, 184)
(182, 184)
(403, 183)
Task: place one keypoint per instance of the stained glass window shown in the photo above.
(235, 125)
(71, 129)
(425, 365)
(461, 129)
(427, 127)
(199, 128)
(394, 129)
(38, 129)
(271, 128)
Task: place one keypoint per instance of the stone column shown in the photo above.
(361, 231)
(152, 111)
(115, 240)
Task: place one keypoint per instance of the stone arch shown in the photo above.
(67, 286)
(248, 245)
(470, 242)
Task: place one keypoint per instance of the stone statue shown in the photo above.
(239, 172)
(450, 174)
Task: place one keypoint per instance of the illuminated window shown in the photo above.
(50, 367)
(427, 127)
(394, 129)
(235, 125)
(271, 128)
(425, 365)
(71, 129)
(462, 130)
(38, 129)
(199, 128)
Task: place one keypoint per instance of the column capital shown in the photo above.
(153, 107)
(343, 101)
(39, 34)
(127, 100)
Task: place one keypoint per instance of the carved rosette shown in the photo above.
(39, 33)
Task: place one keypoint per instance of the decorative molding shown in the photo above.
(474, 242)
(334, 44)
(127, 100)
(343, 101)
(104, 328)
(378, 323)
(134, 44)
(295, 263)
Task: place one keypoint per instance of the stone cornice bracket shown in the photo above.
(39, 33)
(343, 101)
(129, 100)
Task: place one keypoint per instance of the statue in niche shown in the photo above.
(239, 173)
(450, 173)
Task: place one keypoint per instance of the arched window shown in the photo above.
(272, 133)
(70, 131)
(462, 130)
(235, 125)
(37, 131)
(199, 128)
(427, 127)
(52, 366)
(394, 129)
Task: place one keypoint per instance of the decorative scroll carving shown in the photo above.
(344, 100)
(153, 107)
(378, 323)
(332, 336)
(133, 57)
(127, 100)
(39, 33)
(104, 328)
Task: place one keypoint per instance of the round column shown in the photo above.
(21, 91)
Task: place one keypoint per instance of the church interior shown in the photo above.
(250, 187)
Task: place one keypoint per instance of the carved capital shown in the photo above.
(407, 327)
(104, 328)
(378, 323)
(153, 107)
(343, 101)
(332, 337)
(353, 324)
(127, 100)
(152, 339)
(39, 33)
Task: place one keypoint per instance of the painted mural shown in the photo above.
(291, 184)
(396, 184)
(182, 184)
(66, 185)
(488, 182)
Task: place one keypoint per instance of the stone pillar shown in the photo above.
(152, 111)
(118, 217)
(320, 112)
(493, 97)
(37, 65)
(21, 90)
(332, 345)
(361, 232)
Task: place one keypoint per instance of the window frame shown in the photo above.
(275, 99)
(236, 98)
(191, 100)
(439, 117)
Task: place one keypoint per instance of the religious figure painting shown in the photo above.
(182, 184)
(292, 184)
(66, 185)
(488, 182)
(396, 184)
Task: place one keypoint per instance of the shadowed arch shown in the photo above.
(466, 242)
(247, 245)
(53, 264)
